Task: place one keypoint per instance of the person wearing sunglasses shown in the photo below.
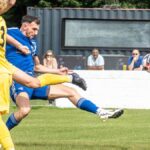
(135, 61)
(50, 60)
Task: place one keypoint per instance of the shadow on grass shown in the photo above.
(67, 146)
(46, 106)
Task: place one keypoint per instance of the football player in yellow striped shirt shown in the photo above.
(6, 71)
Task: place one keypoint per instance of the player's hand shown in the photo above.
(24, 49)
(135, 59)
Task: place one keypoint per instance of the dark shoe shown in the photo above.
(77, 80)
(117, 113)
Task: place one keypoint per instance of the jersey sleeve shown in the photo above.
(34, 47)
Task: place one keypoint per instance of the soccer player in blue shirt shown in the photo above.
(29, 62)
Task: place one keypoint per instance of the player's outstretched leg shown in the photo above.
(58, 91)
(89, 106)
(77, 80)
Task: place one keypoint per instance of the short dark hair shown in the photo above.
(95, 49)
(29, 19)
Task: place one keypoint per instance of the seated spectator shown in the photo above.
(50, 60)
(135, 61)
(146, 62)
(95, 60)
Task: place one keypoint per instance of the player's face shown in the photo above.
(32, 30)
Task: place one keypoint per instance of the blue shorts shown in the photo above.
(33, 93)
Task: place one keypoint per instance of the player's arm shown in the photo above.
(18, 45)
(91, 67)
(43, 69)
(44, 62)
(51, 76)
(42, 80)
(95, 67)
(55, 64)
(139, 68)
(131, 65)
(5, 5)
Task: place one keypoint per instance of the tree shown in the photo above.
(13, 17)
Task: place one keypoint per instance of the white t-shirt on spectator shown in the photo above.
(99, 61)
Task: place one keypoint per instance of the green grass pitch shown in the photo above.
(48, 128)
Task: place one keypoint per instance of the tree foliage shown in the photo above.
(95, 3)
(13, 17)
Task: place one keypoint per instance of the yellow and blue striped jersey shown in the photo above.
(3, 32)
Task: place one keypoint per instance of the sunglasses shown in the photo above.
(134, 53)
(49, 55)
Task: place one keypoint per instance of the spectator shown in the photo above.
(146, 62)
(95, 60)
(135, 61)
(50, 60)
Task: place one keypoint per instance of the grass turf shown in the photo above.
(48, 128)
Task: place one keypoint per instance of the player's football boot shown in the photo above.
(77, 80)
(108, 114)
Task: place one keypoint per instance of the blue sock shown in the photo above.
(87, 105)
(11, 122)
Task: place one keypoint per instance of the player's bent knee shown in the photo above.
(25, 111)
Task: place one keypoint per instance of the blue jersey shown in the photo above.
(23, 62)
(138, 63)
